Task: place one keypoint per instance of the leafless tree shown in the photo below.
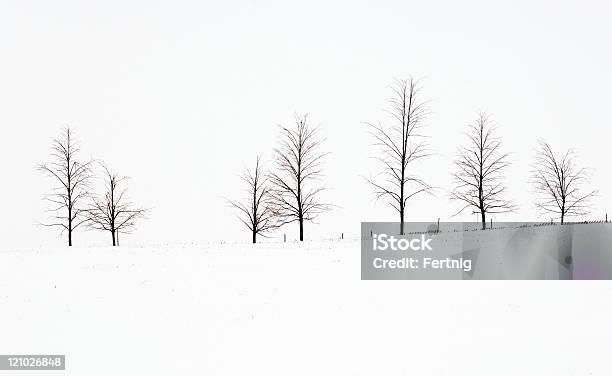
(257, 212)
(558, 183)
(480, 168)
(295, 183)
(112, 211)
(400, 145)
(72, 178)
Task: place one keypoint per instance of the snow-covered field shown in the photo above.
(289, 309)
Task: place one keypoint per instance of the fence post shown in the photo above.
(342, 236)
(438, 228)
(284, 238)
(491, 223)
(606, 217)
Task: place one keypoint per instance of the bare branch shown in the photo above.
(558, 183)
(399, 146)
(112, 211)
(72, 178)
(257, 211)
(480, 168)
(298, 161)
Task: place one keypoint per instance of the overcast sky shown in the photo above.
(182, 95)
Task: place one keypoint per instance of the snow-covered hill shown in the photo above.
(289, 309)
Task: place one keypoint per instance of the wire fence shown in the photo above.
(434, 227)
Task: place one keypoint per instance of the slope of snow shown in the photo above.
(289, 309)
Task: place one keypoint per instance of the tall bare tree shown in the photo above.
(72, 178)
(480, 168)
(112, 211)
(296, 182)
(257, 212)
(559, 183)
(400, 145)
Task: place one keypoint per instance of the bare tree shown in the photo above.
(72, 176)
(558, 183)
(479, 178)
(257, 212)
(295, 183)
(112, 211)
(400, 145)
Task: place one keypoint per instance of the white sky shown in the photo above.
(182, 95)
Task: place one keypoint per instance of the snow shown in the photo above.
(289, 309)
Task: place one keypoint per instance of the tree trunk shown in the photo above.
(563, 210)
(254, 236)
(402, 221)
(69, 206)
(113, 235)
(484, 221)
(69, 227)
(301, 229)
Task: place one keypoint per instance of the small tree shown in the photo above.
(72, 178)
(559, 183)
(295, 182)
(480, 168)
(256, 212)
(112, 211)
(400, 145)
